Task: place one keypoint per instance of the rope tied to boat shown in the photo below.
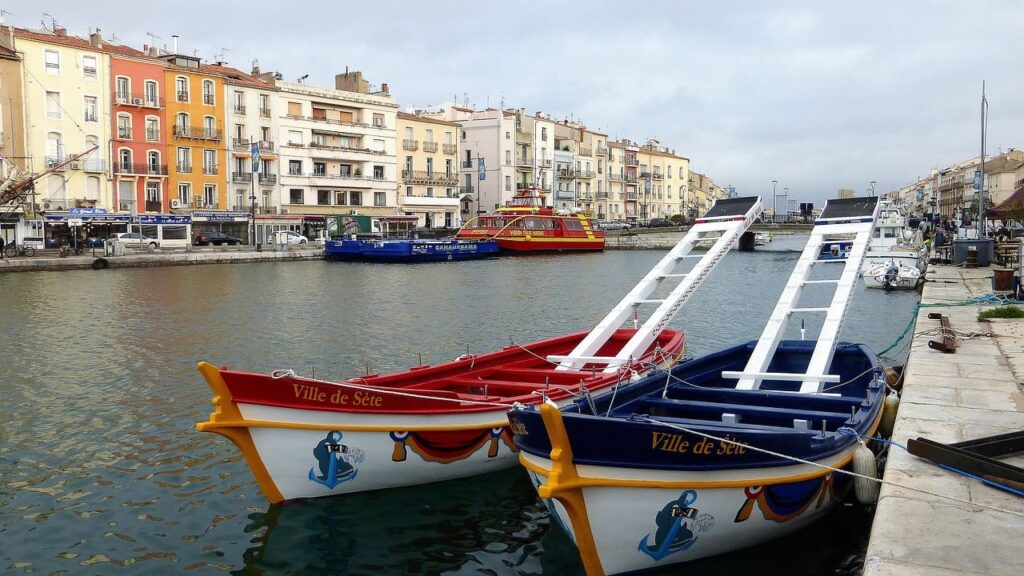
(850, 473)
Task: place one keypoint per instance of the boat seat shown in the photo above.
(746, 413)
(765, 397)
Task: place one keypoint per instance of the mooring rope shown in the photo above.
(989, 298)
(827, 467)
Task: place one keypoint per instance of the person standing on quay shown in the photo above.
(2, 247)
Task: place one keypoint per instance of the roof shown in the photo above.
(420, 118)
(77, 42)
(236, 77)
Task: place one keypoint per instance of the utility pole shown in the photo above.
(981, 187)
(255, 149)
(775, 202)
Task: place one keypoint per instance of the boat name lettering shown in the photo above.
(667, 442)
(339, 397)
(518, 427)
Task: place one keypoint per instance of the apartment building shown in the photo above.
(487, 161)
(139, 122)
(337, 148)
(12, 113)
(66, 87)
(428, 187)
(1001, 179)
(194, 94)
(253, 125)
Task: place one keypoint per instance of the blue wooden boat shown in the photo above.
(721, 452)
(408, 250)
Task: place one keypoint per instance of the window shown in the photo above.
(124, 158)
(408, 164)
(340, 198)
(508, 135)
(448, 193)
(295, 137)
(54, 149)
(378, 173)
(295, 167)
(92, 188)
(319, 169)
(508, 157)
(508, 183)
(448, 167)
(181, 124)
(408, 133)
(210, 194)
(430, 136)
(345, 170)
(430, 166)
(239, 102)
(153, 191)
(123, 89)
(89, 67)
(544, 134)
(463, 134)
(295, 196)
(430, 191)
(90, 109)
(378, 145)
(184, 192)
(153, 162)
(295, 109)
(184, 159)
(209, 161)
(124, 127)
(265, 105)
(378, 120)
(355, 198)
(408, 191)
(447, 219)
(208, 92)
(210, 126)
(52, 62)
(448, 138)
(152, 129)
(181, 85)
(53, 105)
(151, 93)
(380, 199)
(323, 197)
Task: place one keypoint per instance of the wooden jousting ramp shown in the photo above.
(722, 225)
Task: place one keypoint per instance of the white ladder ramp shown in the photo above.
(839, 220)
(724, 223)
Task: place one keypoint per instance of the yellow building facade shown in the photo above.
(196, 147)
(428, 182)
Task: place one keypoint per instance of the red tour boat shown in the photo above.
(525, 224)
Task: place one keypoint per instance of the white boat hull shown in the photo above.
(633, 527)
(894, 275)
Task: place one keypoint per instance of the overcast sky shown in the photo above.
(817, 95)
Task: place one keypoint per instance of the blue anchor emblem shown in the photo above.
(334, 461)
(679, 525)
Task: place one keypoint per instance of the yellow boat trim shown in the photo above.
(212, 426)
(563, 484)
(225, 411)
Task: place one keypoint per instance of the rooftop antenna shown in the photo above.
(220, 57)
(153, 38)
(4, 13)
(302, 79)
(53, 22)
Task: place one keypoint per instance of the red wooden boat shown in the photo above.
(304, 437)
(525, 224)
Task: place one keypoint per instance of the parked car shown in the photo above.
(660, 223)
(216, 238)
(612, 225)
(93, 242)
(288, 237)
(135, 238)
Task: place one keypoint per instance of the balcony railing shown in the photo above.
(268, 178)
(124, 133)
(239, 108)
(602, 195)
(429, 177)
(141, 100)
(327, 120)
(586, 173)
(211, 170)
(208, 99)
(602, 151)
(449, 148)
(410, 144)
(154, 206)
(465, 189)
(630, 195)
(152, 136)
(140, 168)
(197, 132)
(265, 112)
(94, 165)
(586, 151)
(568, 173)
(241, 177)
(657, 176)
(184, 168)
(632, 161)
(615, 177)
(524, 160)
(430, 146)
(240, 144)
(266, 145)
(631, 178)
(182, 95)
(467, 164)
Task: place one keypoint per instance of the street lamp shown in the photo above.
(872, 187)
(775, 201)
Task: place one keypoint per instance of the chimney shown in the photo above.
(7, 37)
(95, 39)
(384, 88)
(60, 31)
(174, 43)
(152, 51)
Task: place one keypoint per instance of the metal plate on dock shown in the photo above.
(732, 207)
(849, 208)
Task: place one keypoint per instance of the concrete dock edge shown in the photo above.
(972, 393)
(142, 259)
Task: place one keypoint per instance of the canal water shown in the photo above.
(102, 471)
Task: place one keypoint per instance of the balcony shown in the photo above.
(154, 206)
(429, 177)
(94, 165)
(240, 144)
(184, 168)
(449, 148)
(632, 161)
(602, 195)
(140, 168)
(657, 176)
(238, 109)
(524, 161)
(268, 179)
(197, 132)
(430, 146)
(141, 100)
(568, 173)
(467, 164)
(587, 196)
(630, 196)
(631, 178)
(586, 151)
(124, 134)
(328, 121)
(264, 112)
(266, 146)
(410, 145)
(615, 177)
(208, 99)
(241, 177)
(546, 163)
(586, 173)
(210, 170)
(182, 95)
(602, 151)
(333, 148)
(466, 189)
(565, 195)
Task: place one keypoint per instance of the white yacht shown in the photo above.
(894, 243)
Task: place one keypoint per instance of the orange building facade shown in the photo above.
(139, 144)
(195, 135)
